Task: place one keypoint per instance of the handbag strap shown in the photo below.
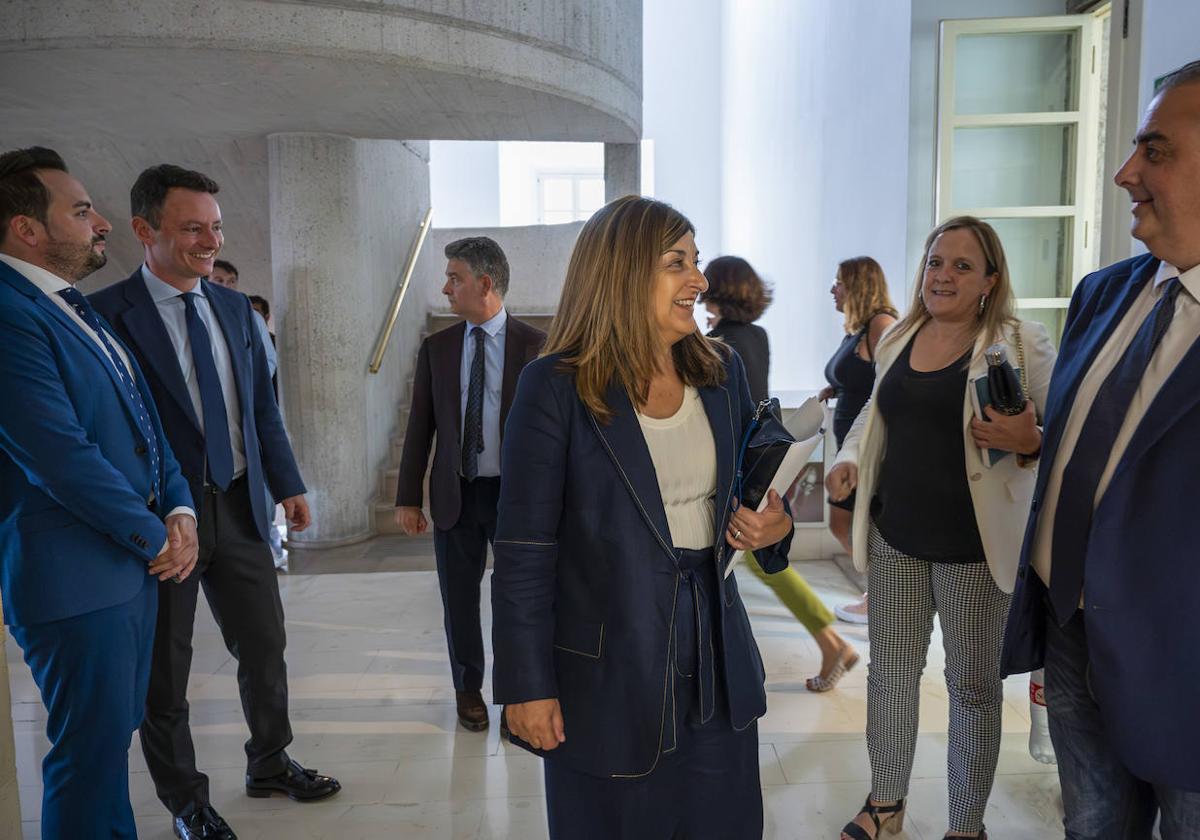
(1021, 361)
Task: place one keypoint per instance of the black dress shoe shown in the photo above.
(505, 733)
(204, 824)
(472, 711)
(295, 782)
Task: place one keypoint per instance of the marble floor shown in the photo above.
(371, 705)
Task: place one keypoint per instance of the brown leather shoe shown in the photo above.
(472, 711)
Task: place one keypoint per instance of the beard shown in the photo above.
(73, 261)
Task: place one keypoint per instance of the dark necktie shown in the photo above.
(212, 403)
(1081, 478)
(80, 304)
(472, 442)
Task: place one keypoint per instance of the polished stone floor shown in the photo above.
(371, 704)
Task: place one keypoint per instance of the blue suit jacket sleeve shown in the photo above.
(41, 432)
(279, 464)
(526, 546)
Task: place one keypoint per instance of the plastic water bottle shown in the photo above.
(1040, 746)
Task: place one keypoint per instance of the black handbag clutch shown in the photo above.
(764, 445)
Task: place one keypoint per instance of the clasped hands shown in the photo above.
(179, 555)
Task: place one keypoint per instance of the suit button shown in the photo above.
(140, 449)
(976, 476)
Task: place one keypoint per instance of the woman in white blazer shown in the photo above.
(937, 528)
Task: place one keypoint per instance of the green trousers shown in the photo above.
(795, 594)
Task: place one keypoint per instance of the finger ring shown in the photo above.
(737, 535)
(177, 578)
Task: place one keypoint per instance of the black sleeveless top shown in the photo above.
(852, 377)
(922, 503)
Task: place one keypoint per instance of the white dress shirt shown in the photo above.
(172, 310)
(494, 330)
(50, 285)
(1178, 339)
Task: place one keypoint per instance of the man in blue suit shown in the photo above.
(85, 478)
(207, 369)
(1109, 584)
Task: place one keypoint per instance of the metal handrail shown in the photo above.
(401, 290)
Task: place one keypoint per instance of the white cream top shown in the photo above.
(685, 461)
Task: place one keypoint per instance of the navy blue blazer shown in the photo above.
(1142, 578)
(586, 577)
(75, 475)
(269, 460)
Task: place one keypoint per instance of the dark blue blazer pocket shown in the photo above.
(584, 638)
(48, 520)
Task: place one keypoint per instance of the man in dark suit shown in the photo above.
(208, 372)
(86, 477)
(1107, 590)
(464, 384)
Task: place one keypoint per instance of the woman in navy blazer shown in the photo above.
(624, 659)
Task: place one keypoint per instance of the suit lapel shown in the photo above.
(149, 335)
(450, 373)
(626, 445)
(235, 345)
(718, 405)
(1176, 398)
(514, 360)
(1118, 297)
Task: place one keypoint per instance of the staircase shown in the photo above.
(385, 505)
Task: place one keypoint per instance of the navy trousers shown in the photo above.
(92, 671)
(461, 561)
(708, 787)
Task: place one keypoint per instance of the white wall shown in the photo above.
(464, 183)
(815, 159)
(681, 110)
(1170, 38)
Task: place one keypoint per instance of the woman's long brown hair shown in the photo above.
(605, 322)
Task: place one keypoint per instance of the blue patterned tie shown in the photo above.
(80, 304)
(212, 402)
(472, 442)
(1081, 478)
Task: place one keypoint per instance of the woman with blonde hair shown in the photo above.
(623, 654)
(735, 299)
(943, 497)
(860, 293)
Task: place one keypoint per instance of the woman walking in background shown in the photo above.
(736, 298)
(940, 528)
(860, 293)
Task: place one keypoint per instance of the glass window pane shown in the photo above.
(557, 217)
(591, 195)
(1051, 319)
(556, 195)
(1014, 166)
(1039, 255)
(1015, 73)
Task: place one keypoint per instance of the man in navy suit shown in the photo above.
(207, 369)
(1109, 583)
(463, 387)
(85, 478)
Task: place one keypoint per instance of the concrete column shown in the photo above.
(622, 170)
(343, 216)
(10, 803)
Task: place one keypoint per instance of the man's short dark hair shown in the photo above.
(484, 256)
(22, 192)
(1187, 74)
(150, 189)
(261, 302)
(226, 265)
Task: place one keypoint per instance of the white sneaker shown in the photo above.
(855, 612)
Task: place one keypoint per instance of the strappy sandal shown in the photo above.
(847, 659)
(892, 822)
